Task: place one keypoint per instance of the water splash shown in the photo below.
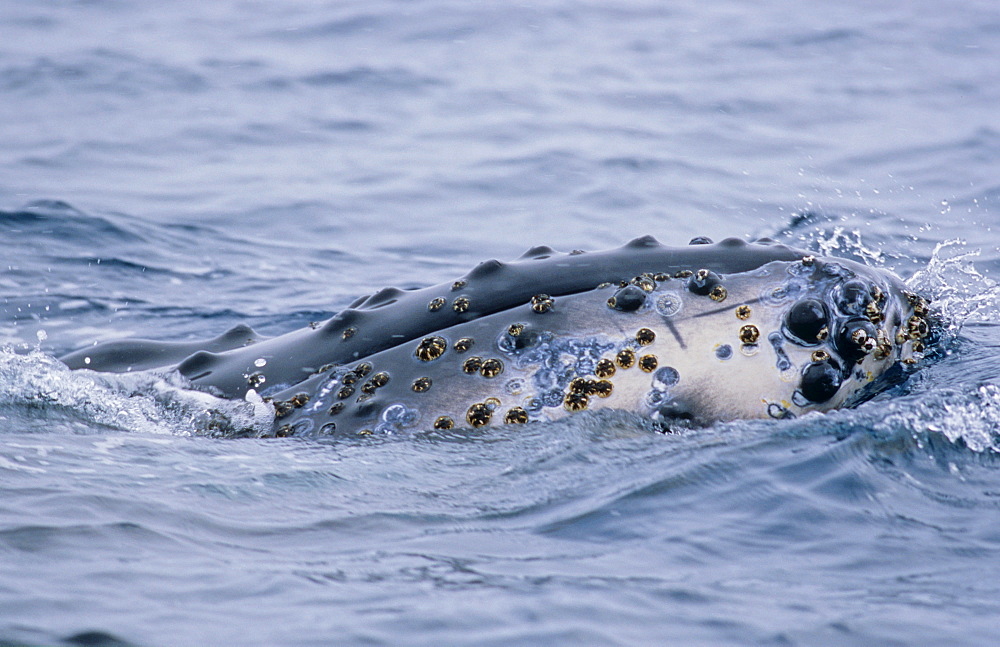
(816, 232)
(960, 294)
(972, 418)
(39, 393)
(966, 413)
(962, 415)
(841, 241)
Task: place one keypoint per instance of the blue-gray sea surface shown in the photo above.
(170, 169)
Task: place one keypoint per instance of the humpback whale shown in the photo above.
(683, 335)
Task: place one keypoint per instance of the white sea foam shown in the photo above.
(37, 392)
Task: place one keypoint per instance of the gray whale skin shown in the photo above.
(704, 333)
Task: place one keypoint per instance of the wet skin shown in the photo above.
(715, 332)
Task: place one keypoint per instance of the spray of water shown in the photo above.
(965, 408)
(39, 393)
(960, 294)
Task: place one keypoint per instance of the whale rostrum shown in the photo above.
(704, 333)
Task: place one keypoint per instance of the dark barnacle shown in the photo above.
(491, 367)
(542, 303)
(853, 298)
(436, 304)
(703, 282)
(282, 408)
(601, 388)
(461, 304)
(627, 299)
(749, 334)
(348, 333)
(918, 303)
(444, 422)
(516, 416)
(284, 431)
(431, 348)
(336, 408)
(463, 344)
(380, 379)
(805, 321)
(645, 337)
(579, 385)
(625, 358)
(479, 414)
(515, 329)
(363, 369)
(883, 347)
(855, 339)
(743, 312)
(576, 401)
(648, 363)
(421, 384)
(645, 283)
(820, 380)
(458, 285)
(917, 328)
(345, 392)
(873, 312)
(718, 293)
(605, 368)
(472, 364)
(299, 400)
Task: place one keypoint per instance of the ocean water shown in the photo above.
(168, 170)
